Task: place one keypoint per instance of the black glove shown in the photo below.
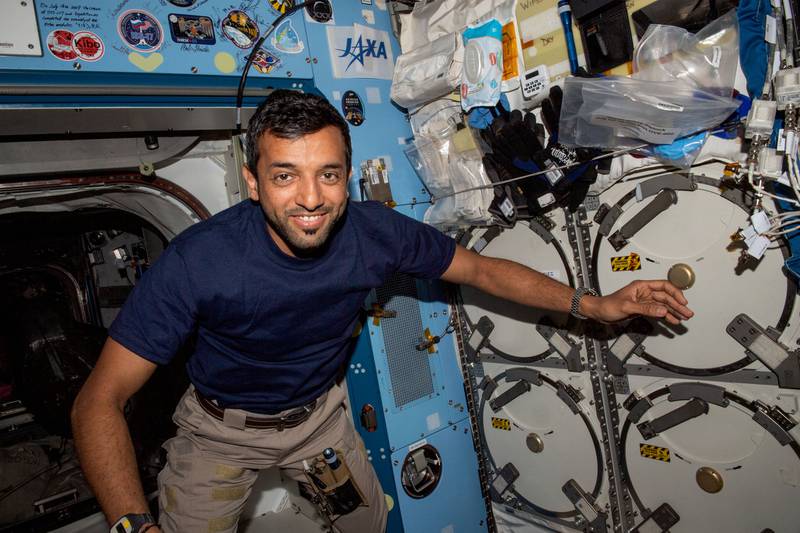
(517, 145)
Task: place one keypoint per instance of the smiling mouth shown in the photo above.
(309, 222)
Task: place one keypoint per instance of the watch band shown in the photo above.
(575, 303)
(132, 523)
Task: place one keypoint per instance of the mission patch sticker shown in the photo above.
(352, 108)
(281, 5)
(286, 39)
(265, 61)
(140, 30)
(88, 46)
(59, 42)
(240, 29)
(183, 3)
(191, 29)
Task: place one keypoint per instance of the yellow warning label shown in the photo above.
(654, 452)
(626, 263)
(501, 423)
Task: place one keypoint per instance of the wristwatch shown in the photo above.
(132, 523)
(575, 304)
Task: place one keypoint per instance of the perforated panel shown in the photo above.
(409, 369)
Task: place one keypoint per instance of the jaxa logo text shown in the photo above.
(358, 50)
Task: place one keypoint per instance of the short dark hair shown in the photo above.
(290, 115)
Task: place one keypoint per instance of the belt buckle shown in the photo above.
(281, 425)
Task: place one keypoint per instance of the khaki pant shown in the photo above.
(211, 466)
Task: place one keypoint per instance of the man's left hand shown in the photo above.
(653, 298)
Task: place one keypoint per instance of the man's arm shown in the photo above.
(101, 432)
(520, 284)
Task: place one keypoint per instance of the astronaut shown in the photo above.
(270, 292)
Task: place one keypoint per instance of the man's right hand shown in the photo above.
(102, 439)
(651, 298)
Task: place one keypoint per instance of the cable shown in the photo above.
(769, 194)
(11, 489)
(782, 232)
(577, 163)
(243, 79)
(424, 344)
(414, 203)
(788, 15)
(766, 91)
(539, 173)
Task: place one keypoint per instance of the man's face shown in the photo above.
(302, 188)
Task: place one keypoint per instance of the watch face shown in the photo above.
(132, 523)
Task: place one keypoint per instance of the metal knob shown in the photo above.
(709, 480)
(534, 442)
(681, 275)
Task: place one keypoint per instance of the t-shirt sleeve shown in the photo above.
(161, 311)
(424, 252)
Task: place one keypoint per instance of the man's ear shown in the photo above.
(252, 183)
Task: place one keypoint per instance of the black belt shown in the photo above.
(291, 419)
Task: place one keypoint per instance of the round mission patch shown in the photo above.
(88, 46)
(140, 30)
(59, 42)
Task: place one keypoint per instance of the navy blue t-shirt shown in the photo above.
(272, 330)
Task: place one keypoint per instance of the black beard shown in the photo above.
(300, 248)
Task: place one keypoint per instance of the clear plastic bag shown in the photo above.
(447, 165)
(706, 60)
(617, 112)
(437, 119)
(428, 72)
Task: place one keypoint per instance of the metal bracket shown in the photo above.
(504, 480)
(570, 395)
(704, 391)
(658, 205)
(541, 231)
(659, 521)
(637, 406)
(775, 420)
(676, 182)
(743, 199)
(488, 386)
(785, 364)
(563, 345)
(625, 346)
(586, 506)
(517, 390)
(620, 385)
(607, 216)
(692, 409)
(485, 239)
(479, 337)
(531, 375)
(377, 312)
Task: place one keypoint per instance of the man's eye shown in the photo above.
(282, 178)
(330, 177)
